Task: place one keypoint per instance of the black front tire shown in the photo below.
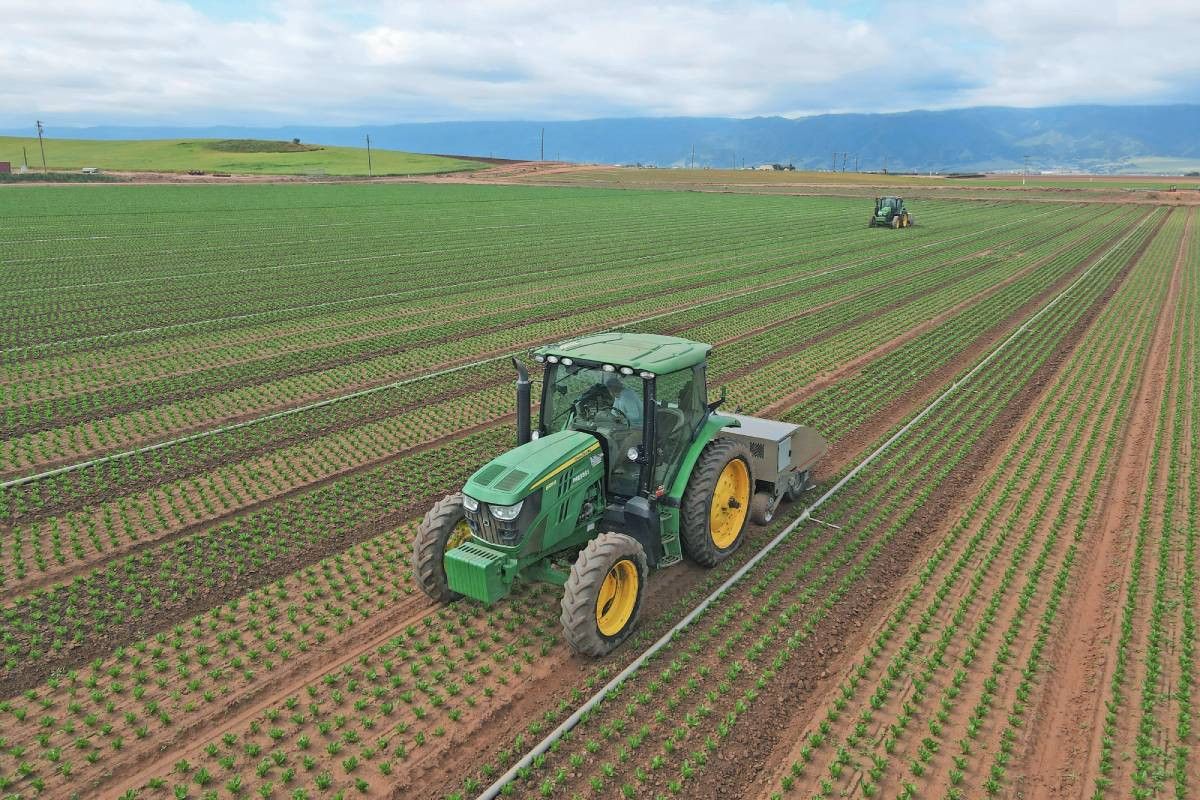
(430, 545)
(580, 624)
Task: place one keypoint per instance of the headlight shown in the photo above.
(507, 513)
(633, 454)
(470, 503)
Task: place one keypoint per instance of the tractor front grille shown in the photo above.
(494, 531)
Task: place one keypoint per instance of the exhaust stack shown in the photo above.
(523, 403)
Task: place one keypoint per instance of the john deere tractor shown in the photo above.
(628, 469)
(890, 212)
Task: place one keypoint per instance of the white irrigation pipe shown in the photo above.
(15, 482)
(309, 307)
(286, 309)
(246, 270)
(573, 720)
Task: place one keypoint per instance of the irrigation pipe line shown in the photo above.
(348, 260)
(401, 293)
(570, 722)
(326, 304)
(21, 481)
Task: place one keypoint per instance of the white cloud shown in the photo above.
(145, 61)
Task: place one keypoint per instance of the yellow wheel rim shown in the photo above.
(617, 597)
(730, 503)
(458, 534)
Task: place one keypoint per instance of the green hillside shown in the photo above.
(239, 156)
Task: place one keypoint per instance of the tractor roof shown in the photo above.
(640, 351)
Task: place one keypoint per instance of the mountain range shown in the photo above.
(1090, 138)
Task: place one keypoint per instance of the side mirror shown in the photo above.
(713, 406)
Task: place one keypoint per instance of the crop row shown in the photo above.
(877, 505)
(119, 523)
(926, 680)
(114, 431)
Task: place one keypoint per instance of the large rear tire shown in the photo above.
(716, 503)
(443, 528)
(603, 594)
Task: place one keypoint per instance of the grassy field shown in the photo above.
(240, 156)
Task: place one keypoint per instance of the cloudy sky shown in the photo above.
(259, 62)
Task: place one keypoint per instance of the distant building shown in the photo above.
(5, 167)
(765, 167)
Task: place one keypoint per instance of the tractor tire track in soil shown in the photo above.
(1061, 756)
(772, 721)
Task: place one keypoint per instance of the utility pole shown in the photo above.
(542, 147)
(1025, 174)
(370, 171)
(844, 157)
(693, 164)
(885, 165)
(24, 158)
(856, 162)
(40, 130)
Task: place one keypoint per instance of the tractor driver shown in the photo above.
(624, 400)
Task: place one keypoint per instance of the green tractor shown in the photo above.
(890, 213)
(628, 469)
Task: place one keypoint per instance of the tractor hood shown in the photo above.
(514, 475)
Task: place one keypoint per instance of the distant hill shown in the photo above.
(1086, 138)
(240, 154)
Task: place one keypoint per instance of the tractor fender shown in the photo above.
(708, 431)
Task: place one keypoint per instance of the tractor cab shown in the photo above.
(643, 398)
(890, 212)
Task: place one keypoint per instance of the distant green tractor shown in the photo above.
(890, 212)
(629, 468)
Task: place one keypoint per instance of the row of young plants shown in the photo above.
(117, 431)
(644, 232)
(906, 478)
(884, 699)
(126, 520)
(1142, 760)
(501, 273)
(905, 366)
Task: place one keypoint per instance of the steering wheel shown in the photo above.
(620, 416)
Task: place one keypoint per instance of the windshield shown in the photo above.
(606, 404)
(587, 398)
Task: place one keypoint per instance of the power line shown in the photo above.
(40, 130)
